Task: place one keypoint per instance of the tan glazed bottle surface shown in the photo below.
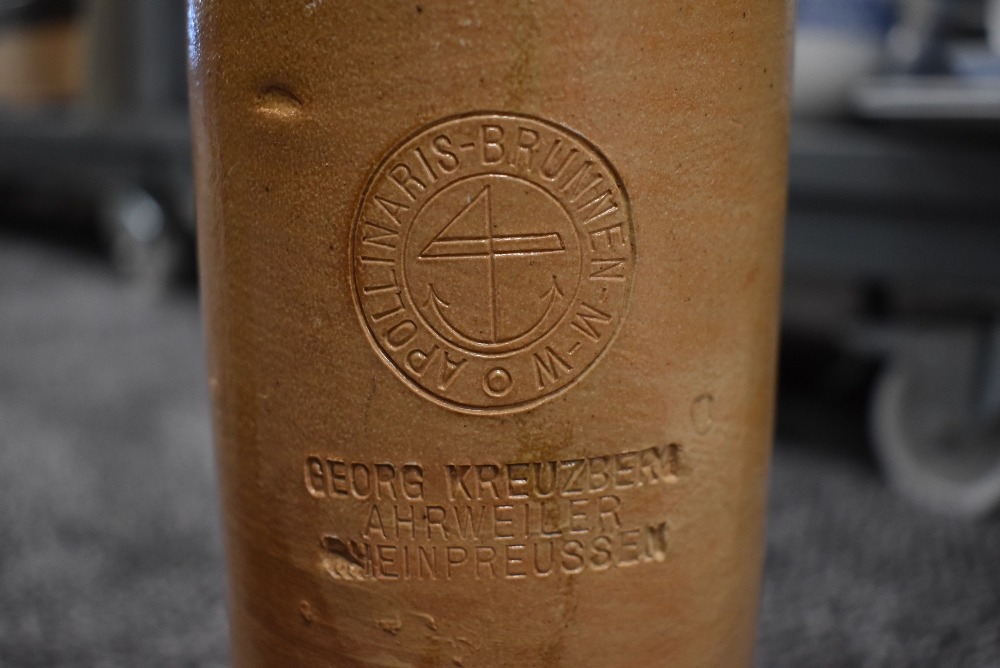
(491, 299)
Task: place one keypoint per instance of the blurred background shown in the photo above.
(884, 542)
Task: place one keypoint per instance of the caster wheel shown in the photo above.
(935, 420)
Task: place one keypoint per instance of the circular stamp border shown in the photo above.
(453, 406)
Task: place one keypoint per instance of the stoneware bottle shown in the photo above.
(491, 294)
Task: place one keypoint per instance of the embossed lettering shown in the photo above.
(457, 483)
(541, 571)
(599, 477)
(401, 334)
(338, 477)
(448, 161)
(625, 473)
(456, 557)
(502, 522)
(572, 482)
(391, 208)
(656, 543)
(379, 235)
(449, 370)
(374, 523)
(407, 520)
(315, 477)
(547, 368)
(587, 521)
(427, 557)
(514, 566)
(426, 165)
(391, 310)
(484, 557)
(527, 139)
(587, 319)
(493, 150)
(407, 182)
(577, 183)
(552, 167)
(469, 524)
(607, 508)
(517, 479)
(545, 470)
(601, 205)
(392, 285)
(578, 515)
(436, 516)
(387, 561)
(608, 270)
(361, 481)
(418, 360)
(608, 237)
(413, 481)
(488, 474)
(600, 558)
(572, 556)
(385, 476)
(629, 551)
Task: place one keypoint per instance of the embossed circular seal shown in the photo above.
(493, 257)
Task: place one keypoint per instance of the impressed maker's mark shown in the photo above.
(529, 519)
(492, 260)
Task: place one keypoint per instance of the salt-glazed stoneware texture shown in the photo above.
(491, 296)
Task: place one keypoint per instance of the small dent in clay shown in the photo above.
(427, 619)
(339, 561)
(391, 625)
(279, 102)
(701, 413)
(306, 610)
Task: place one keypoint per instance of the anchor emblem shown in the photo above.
(448, 245)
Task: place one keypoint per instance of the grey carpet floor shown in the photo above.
(109, 533)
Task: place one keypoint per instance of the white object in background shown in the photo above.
(991, 21)
(827, 63)
(935, 418)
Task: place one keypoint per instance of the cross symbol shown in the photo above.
(490, 246)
